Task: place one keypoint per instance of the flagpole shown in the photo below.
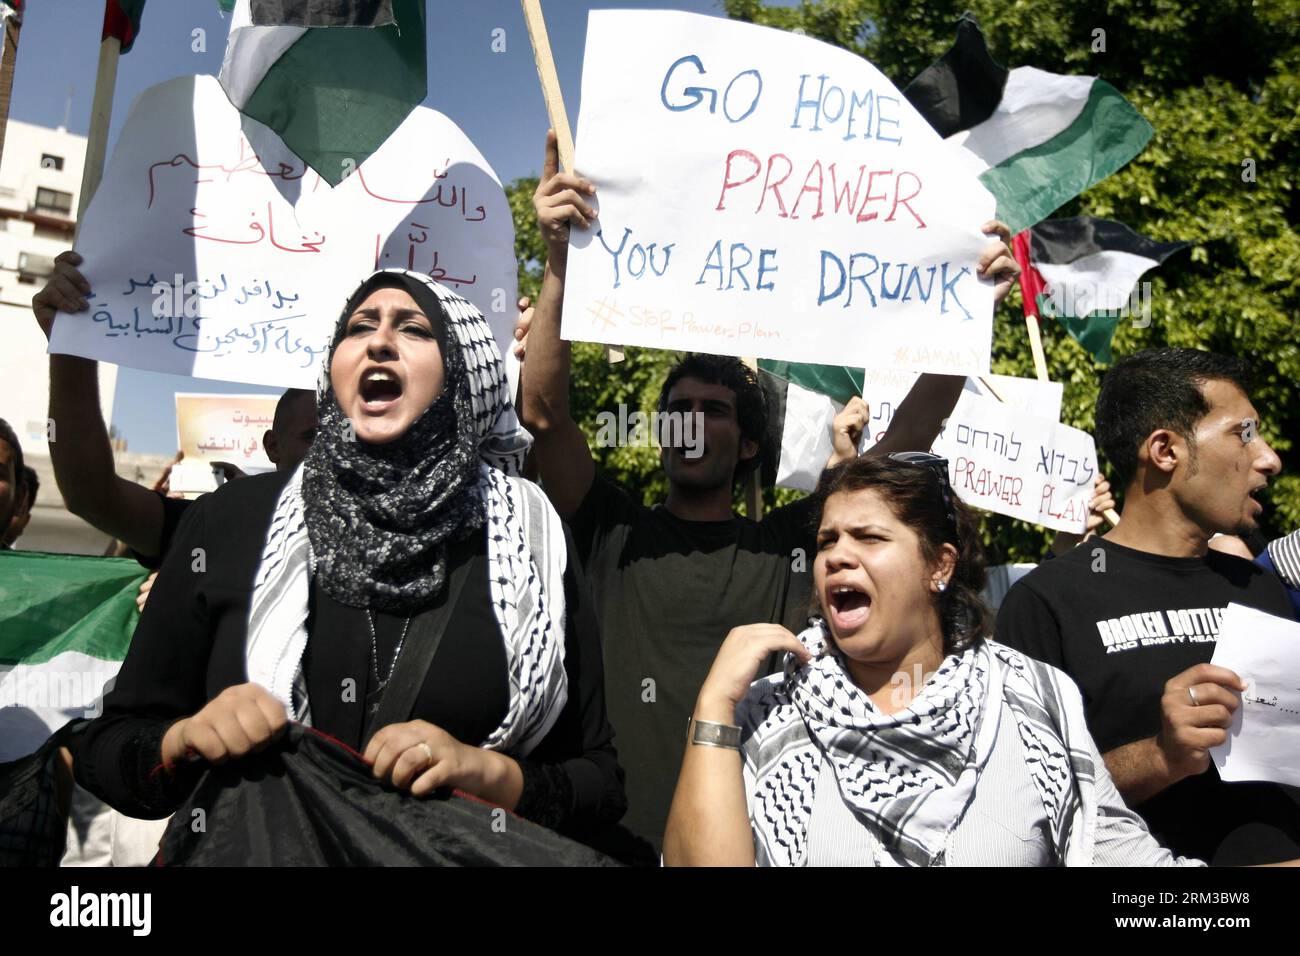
(754, 486)
(554, 98)
(11, 22)
(101, 112)
(1020, 249)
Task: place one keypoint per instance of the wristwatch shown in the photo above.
(708, 733)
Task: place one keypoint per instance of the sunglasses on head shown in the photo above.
(939, 467)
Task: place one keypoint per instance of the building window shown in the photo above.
(52, 200)
(50, 161)
(33, 268)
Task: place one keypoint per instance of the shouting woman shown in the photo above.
(898, 734)
(402, 554)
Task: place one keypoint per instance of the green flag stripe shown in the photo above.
(1094, 332)
(1033, 184)
(838, 382)
(53, 603)
(338, 92)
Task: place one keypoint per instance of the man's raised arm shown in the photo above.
(563, 459)
(79, 448)
(931, 400)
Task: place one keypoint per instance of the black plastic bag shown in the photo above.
(311, 801)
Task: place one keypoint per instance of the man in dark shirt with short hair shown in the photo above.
(1133, 616)
(671, 581)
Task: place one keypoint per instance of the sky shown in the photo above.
(494, 97)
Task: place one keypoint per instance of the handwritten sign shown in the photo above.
(884, 390)
(1264, 739)
(765, 194)
(1004, 460)
(225, 428)
(214, 251)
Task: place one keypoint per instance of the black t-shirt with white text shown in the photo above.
(666, 593)
(1121, 623)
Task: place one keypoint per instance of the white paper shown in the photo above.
(884, 390)
(1264, 740)
(808, 440)
(765, 194)
(213, 251)
(1007, 461)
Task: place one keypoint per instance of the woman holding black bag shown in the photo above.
(401, 592)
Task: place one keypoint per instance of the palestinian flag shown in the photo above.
(65, 624)
(334, 80)
(1035, 139)
(802, 402)
(121, 20)
(1085, 272)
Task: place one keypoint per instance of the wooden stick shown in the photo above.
(10, 27)
(554, 98)
(101, 111)
(754, 486)
(550, 80)
(992, 390)
(1036, 346)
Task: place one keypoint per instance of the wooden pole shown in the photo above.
(754, 486)
(1040, 367)
(554, 98)
(13, 21)
(101, 112)
(1021, 250)
(1036, 347)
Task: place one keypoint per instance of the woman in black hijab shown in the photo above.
(404, 538)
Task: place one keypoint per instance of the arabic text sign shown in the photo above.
(1264, 740)
(765, 194)
(225, 428)
(1007, 461)
(213, 251)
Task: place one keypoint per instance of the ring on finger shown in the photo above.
(428, 752)
(1191, 692)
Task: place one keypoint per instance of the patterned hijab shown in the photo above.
(374, 521)
(380, 517)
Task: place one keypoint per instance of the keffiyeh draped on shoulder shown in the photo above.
(909, 776)
(373, 523)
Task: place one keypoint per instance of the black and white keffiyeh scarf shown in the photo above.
(909, 776)
(373, 523)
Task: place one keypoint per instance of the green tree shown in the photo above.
(1220, 82)
(597, 386)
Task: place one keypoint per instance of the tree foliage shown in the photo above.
(1219, 81)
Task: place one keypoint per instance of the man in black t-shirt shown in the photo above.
(670, 582)
(1133, 617)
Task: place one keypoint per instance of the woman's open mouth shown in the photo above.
(380, 390)
(848, 607)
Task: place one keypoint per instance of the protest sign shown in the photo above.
(1004, 460)
(213, 251)
(884, 390)
(225, 428)
(1264, 651)
(764, 194)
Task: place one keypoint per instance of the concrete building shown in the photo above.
(40, 178)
